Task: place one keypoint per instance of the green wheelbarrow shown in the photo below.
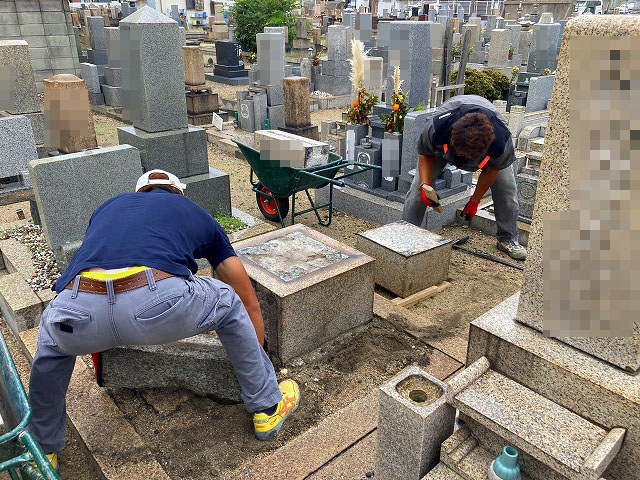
(276, 184)
(19, 451)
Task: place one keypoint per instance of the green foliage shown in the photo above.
(229, 224)
(361, 108)
(485, 83)
(251, 16)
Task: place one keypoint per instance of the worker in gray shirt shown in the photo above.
(467, 131)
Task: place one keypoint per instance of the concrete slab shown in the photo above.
(353, 463)
(307, 453)
(118, 451)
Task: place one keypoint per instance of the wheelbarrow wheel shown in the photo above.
(267, 205)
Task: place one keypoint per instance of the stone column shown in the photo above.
(499, 48)
(68, 120)
(193, 62)
(296, 102)
(17, 79)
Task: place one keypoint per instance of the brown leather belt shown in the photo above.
(124, 284)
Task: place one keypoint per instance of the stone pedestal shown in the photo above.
(68, 120)
(300, 277)
(414, 420)
(182, 152)
(193, 62)
(408, 258)
(297, 112)
(16, 76)
(228, 68)
(201, 102)
(210, 190)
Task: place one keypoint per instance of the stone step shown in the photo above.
(548, 432)
(442, 472)
(534, 159)
(464, 455)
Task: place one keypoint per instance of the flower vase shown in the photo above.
(506, 466)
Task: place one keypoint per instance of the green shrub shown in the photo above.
(251, 16)
(485, 83)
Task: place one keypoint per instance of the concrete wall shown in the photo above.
(561, 9)
(46, 26)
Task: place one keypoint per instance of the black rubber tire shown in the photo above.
(272, 215)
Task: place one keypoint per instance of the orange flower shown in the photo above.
(355, 102)
(396, 107)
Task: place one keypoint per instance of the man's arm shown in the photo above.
(232, 272)
(426, 165)
(487, 176)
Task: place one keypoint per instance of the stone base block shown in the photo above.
(113, 76)
(414, 419)
(210, 190)
(199, 120)
(333, 85)
(302, 294)
(112, 95)
(182, 152)
(37, 124)
(20, 306)
(275, 115)
(310, 131)
(201, 102)
(275, 94)
(227, 80)
(378, 209)
(485, 221)
(408, 258)
(96, 98)
(199, 364)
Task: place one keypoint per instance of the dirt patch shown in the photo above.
(174, 422)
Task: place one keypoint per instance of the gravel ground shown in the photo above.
(46, 269)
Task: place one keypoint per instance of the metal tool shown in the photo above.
(478, 253)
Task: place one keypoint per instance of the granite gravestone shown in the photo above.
(334, 76)
(17, 148)
(539, 93)
(544, 43)
(229, 68)
(154, 101)
(410, 50)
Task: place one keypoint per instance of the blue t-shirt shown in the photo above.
(154, 229)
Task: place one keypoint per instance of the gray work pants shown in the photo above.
(79, 323)
(503, 191)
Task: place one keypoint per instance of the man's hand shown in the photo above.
(232, 272)
(430, 197)
(470, 210)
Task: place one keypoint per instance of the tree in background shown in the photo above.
(251, 16)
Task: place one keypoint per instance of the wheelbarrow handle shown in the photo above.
(337, 183)
(359, 164)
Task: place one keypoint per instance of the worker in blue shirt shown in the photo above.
(133, 282)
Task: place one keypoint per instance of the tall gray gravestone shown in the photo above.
(97, 54)
(270, 58)
(544, 47)
(154, 102)
(334, 77)
(410, 50)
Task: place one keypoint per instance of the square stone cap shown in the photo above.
(389, 388)
(284, 288)
(146, 15)
(405, 238)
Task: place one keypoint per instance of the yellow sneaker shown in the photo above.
(53, 459)
(267, 426)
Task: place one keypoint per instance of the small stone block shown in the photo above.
(96, 98)
(17, 145)
(201, 102)
(301, 277)
(408, 258)
(276, 114)
(414, 420)
(112, 95)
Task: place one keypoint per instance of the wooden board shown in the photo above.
(421, 295)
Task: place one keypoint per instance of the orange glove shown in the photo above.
(470, 210)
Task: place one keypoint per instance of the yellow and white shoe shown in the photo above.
(53, 459)
(267, 426)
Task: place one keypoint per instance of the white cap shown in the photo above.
(173, 181)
